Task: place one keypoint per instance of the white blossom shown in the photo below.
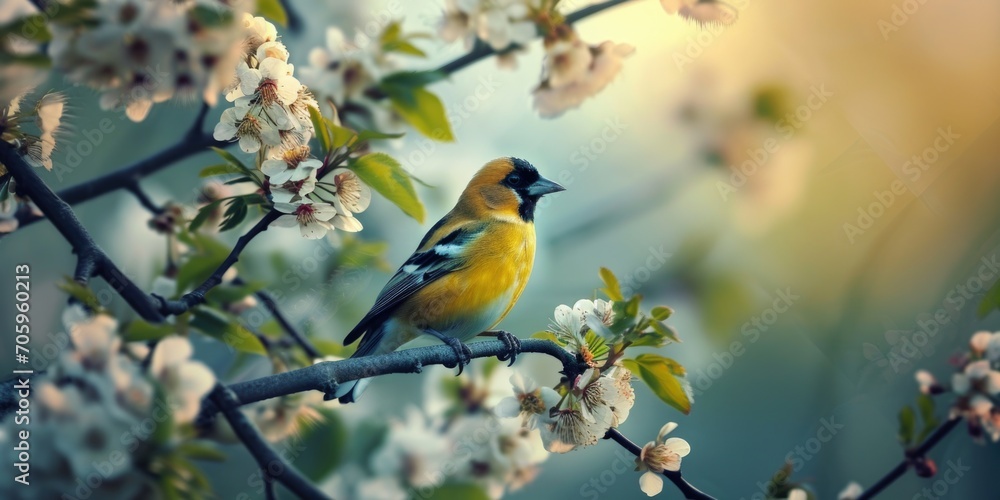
(660, 455)
(312, 218)
(551, 101)
(185, 382)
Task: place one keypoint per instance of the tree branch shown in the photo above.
(481, 50)
(689, 491)
(266, 457)
(91, 259)
(197, 296)
(144, 198)
(901, 468)
(327, 375)
(193, 142)
(272, 306)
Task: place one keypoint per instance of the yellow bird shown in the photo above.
(466, 273)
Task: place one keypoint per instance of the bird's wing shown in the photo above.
(430, 262)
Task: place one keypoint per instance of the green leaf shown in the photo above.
(659, 374)
(458, 491)
(661, 313)
(340, 136)
(403, 47)
(327, 440)
(196, 270)
(232, 160)
(413, 79)
(393, 31)
(925, 404)
(138, 330)
(611, 287)
(80, 292)
(32, 28)
(664, 331)
(272, 9)
(235, 213)
(211, 17)
(319, 123)
(907, 424)
(201, 450)
(218, 325)
(385, 175)
(203, 214)
(421, 109)
(220, 169)
(367, 135)
(671, 364)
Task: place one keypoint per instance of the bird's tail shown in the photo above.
(349, 392)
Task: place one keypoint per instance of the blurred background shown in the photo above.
(811, 189)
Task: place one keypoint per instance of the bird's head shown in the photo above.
(507, 188)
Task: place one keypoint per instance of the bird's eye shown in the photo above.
(513, 179)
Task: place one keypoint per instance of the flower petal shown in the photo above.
(651, 483)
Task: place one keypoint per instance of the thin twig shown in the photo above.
(272, 306)
(91, 259)
(685, 487)
(481, 50)
(144, 198)
(901, 468)
(197, 296)
(272, 466)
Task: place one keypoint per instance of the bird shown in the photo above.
(466, 274)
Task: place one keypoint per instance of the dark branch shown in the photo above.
(919, 452)
(92, 260)
(272, 466)
(685, 487)
(294, 19)
(272, 306)
(197, 296)
(193, 142)
(144, 198)
(326, 376)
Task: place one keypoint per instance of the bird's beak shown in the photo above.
(544, 186)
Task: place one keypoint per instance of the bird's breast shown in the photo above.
(476, 297)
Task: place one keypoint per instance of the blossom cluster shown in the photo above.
(578, 417)
(455, 439)
(107, 412)
(137, 53)
(977, 385)
(272, 115)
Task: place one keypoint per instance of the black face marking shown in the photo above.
(520, 179)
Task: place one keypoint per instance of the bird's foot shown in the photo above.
(462, 352)
(512, 342)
